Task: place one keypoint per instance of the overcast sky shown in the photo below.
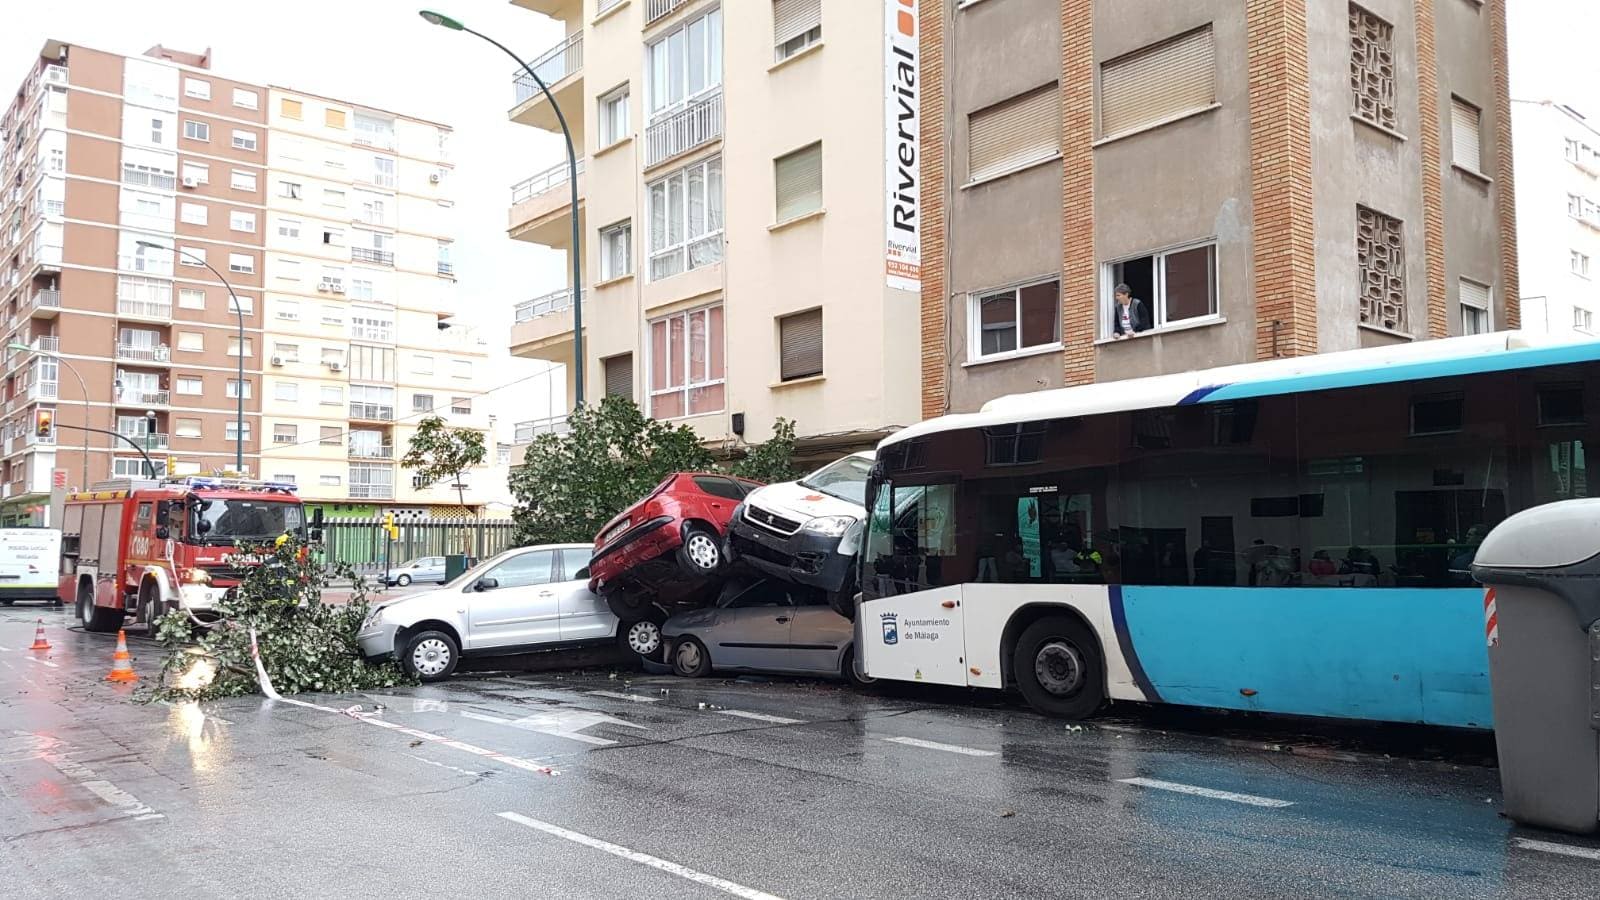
(379, 53)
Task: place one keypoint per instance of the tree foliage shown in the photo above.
(437, 452)
(306, 644)
(771, 462)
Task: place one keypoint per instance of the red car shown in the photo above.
(665, 550)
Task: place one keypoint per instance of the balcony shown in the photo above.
(148, 310)
(369, 255)
(159, 355)
(447, 269)
(371, 412)
(369, 450)
(43, 390)
(660, 9)
(369, 490)
(149, 441)
(541, 208)
(561, 69)
(543, 328)
(527, 431)
(44, 303)
(673, 132)
(143, 398)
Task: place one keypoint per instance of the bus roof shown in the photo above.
(1444, 357)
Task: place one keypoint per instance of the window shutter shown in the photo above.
(1474, 294)
(1157, 83)
(792, 18)
(800, 345)
(799, 179)
(1465, 143)
(1023, 129)
(619, 376)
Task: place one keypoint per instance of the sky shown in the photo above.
(377, 53)
(1554, 47)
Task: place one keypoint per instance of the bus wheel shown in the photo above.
(1058, 669)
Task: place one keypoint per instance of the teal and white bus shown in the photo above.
(1290, 536)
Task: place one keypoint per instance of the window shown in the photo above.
(198, 173)
(422, 365)
(333, 118)
(331, 395)
(288, 269)
(1014, 134)
(1475, 316)
(289, 310)
(192, 256)
(191, 298)
(461, 406)
(243, 181)
(188, 385)
(328, 435)
(291, 109)
(800, 345)
(371, 325)
(614, 116)
(618, 371)
(332, 315)
(685, 63)
(196, 88)
(232, 391)
(687, 364)
(616, 250)
(290, 189)
(1380, 257)
(289, 228)
(383, 171)
(233, 346)
(686, 219)
(460, 368)
(241, 262)
(361, 289)
(285, 434)
(186, 428)
(1372, 66)
(230, 430)
(129, 467)
(242, 221)
(1466, 145)
(333, 356)
(369, 363)
(1582, 319)
(328, 480)
(796, 25)
(244, 99)
(196, 131)
(244, 140)
(798, 177)
(245, 304)
(422, 403)
(192, 213)
(1014, 319)
(333, 198)
(1158, 84)
(373, 210)
(191, 341)
(1580, 264)
(1171, 287)
(288, 391)
(286, 352)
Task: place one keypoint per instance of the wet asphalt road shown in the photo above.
(557, 784)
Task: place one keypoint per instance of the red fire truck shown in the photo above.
(134, 547)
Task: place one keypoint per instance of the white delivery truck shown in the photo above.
(30, 564)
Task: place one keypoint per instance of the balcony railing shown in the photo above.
(43, 390)
(372, 412)
(141, 397)
(659, 8)
(47, 298)
(29, 439)
(367, 254)
(553, 302)
(681, 129)
(527, 431)
(548, 180)
(447, 269)
(564, 59)
(367, 450)
(153, 440)
(144, 309)
(45, 344)
(160, 353)
(361, 491)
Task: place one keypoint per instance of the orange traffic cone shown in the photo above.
(39, 643)
(121, 668)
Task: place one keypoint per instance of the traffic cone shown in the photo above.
(121, 667)
(39, 643)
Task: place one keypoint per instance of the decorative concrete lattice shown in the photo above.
(1372, 67)
(1380, 254)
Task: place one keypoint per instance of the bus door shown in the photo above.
(914, 630)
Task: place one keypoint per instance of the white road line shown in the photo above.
(513, 761)
(127, 804)
(1559, 849)
(935, 745)
(761, 717)
(1230, 796)
(42, 662)
(617, 695)
(551, 725)
(672, 868)
(5, 650)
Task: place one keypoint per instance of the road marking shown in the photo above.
(935, 745)
(443, 766)
(761, 717)
(42, 662)
(564, 724)
(1230, 796)
(1559, 849)
(5, 650)
(617, 695)
(654, 862)
(127, 804)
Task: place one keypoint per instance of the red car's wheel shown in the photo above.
(701, 552)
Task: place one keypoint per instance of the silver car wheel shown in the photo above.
(703, 552)
(1059, 667)
(688, 656)
(430, 657)
(644, 637)
(403, 580)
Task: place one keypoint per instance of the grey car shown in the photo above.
(763, 626)
(423, 570)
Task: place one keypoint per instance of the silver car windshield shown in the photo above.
(845, 479)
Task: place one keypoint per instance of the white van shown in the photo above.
(30, 564)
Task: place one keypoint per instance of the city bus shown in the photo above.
(1291, 536)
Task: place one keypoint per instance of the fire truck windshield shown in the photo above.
(220, 521)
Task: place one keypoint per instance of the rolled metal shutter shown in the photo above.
(1014, 132)
(1474, 294)
(619, 376)
(800, 345)
(1466, 144)
(1159, 82)
(799, 182)
(792, 18)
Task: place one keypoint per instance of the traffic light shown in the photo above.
(44, 423)
(172, 465)
(389, 528)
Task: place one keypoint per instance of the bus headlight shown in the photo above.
(830, 526)
(197, 576)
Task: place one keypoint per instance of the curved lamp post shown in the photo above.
(18, 345)
(444, 21)
(238, 437)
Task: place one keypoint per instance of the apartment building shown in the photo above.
(735, 207)
(1558, 215)
(110, 162)
(1270, 179)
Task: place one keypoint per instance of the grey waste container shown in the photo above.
(1542, 623)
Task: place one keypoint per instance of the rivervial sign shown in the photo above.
(901, 123)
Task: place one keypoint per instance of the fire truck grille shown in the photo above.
(226, 573)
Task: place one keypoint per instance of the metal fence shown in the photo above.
(362, 542)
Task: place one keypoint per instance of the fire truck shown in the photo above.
(143, 547)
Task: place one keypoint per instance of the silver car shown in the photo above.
(424, 569)
(530, 598)
(764, 626)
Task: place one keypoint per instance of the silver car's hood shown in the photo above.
(416, 607)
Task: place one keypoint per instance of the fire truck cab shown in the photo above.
(143, 547)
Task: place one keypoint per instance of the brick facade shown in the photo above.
(1505, 195)
(935, 145)
(1079, 300)
(1432, 171)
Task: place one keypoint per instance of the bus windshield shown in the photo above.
(218, 521)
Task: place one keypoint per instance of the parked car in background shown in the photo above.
(529, 598)
(665, 552)
(807, 531)
(422, 570)
(766, 625)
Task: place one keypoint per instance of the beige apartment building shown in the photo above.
(735, 201)
(1271, 178)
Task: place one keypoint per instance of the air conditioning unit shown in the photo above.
(322, 288)
(277, 360)
(190, 181)
(334, 365)
(338, 287)
(435, 177)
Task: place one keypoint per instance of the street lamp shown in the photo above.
(444, 21)
(238, 308)
(18, 345)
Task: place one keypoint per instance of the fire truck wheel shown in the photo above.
(97, 618)
(430, 655)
